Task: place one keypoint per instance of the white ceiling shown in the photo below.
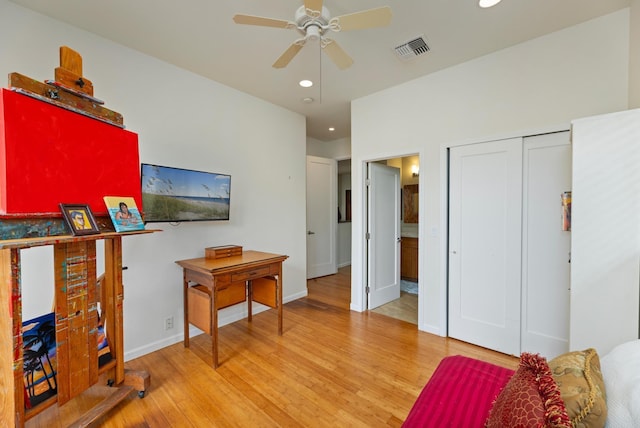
(200, 36)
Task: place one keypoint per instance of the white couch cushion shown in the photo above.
(621, 372)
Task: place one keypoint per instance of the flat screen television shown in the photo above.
(175, 194)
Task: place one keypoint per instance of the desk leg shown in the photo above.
(185, 286)
(279, 298)
(250, 299)
(214, 326)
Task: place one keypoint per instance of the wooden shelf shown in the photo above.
(62, 239)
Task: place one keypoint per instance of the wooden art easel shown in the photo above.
(77, 293)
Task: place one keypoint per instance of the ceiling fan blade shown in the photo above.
(378, 17)
(288, 55)
(313, 5)
(336, 53)
(264, 22)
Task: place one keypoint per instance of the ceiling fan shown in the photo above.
(313, 21)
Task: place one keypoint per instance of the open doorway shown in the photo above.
(405, 307)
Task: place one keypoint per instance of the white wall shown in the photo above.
(337, 149)
(576, 72)
(186, 121)
(344, 244)
(634, 55)
(605, 231)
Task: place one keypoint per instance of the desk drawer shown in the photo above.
(199, 302)
(199, 307)
(231, 294)
(263, 290)
(248, 274)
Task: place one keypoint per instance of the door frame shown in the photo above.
(332, 187)
(359, 298)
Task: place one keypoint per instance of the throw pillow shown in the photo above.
(582, 387)
(531, 398)
(581, 384)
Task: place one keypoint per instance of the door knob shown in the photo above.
(310, 233)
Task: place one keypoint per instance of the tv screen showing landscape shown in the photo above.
(175, 194)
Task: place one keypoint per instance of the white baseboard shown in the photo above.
(194, 331)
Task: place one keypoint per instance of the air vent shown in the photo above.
(412, 48)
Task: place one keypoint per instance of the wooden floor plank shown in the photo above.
(331, 367)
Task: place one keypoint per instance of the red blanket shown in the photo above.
(459, 394)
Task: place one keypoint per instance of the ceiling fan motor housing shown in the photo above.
(312, 24)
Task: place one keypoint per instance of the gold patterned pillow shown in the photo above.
(581, 385)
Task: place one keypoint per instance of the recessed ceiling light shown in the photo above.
(332, 129)
(306, 83)
(308, 100)
(488, 3)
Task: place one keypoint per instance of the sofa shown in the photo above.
(577, 389)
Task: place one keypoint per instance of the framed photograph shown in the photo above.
(79, 219)
(124, 213)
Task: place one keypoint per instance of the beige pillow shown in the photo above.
(581, 386)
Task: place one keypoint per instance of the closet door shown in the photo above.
(545, 246)
(485, 244)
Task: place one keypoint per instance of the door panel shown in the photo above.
(545, 246)
(383, 227)
(484, 244)
(322, 216)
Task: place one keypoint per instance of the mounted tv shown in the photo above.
(175, 194)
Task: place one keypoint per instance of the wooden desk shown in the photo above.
(215, 274)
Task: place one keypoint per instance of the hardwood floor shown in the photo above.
(405, 308)
(331, 367)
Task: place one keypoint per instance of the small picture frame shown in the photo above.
(79, 218)
(566, 211)
(124, 213)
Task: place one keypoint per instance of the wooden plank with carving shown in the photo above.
(11, 376)
(62, 322)
(76, 317)
(65, 99)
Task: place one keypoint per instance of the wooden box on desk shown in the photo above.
(222, 251)
(199, 302)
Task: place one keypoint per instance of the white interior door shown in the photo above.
(322, 216)
(484, 244)
(383, 231)
(545, 246)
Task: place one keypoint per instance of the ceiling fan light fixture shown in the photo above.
(488, 3)
(313, 33)
(306, 83)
